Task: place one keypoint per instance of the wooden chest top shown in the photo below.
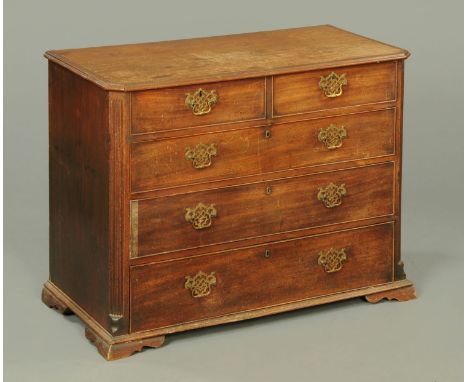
(220, 58)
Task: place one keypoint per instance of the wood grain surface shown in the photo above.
(162, 163)
(300, 93)
(221, 58)
(248, 211)
(79, 190)
(247, 279)
(165, 109)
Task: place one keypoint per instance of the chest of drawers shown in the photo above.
(206, 181)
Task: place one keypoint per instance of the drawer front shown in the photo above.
(198, 105)
(232, 154)
(174, 292)
(321, 90)
(233, 213)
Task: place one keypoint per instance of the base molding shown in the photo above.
(113, 347)
(113, 351)
(52, 301)
(401, 294)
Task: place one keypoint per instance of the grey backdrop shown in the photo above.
(353, 341)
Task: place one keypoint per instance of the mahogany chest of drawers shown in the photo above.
(212, 180)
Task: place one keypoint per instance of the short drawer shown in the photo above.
(170, 293)
(228, 214)
(198, 105)
(334, 88)
(251, 151)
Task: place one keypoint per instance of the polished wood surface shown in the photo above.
(300, 93)
(162, 163)
(182, 62)
(249, 211)
(165, 109)
(126, 181)
(246, 279)
(79, 190)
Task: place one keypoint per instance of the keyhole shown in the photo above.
(267, 133)
(267, 253)
(268, 190)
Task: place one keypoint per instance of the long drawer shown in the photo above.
(222, 215)
(169, 293)
(232, 154)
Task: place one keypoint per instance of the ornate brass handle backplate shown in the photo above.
(332, 85)
(332, 137)
(201, 101)
(200, 216)
(332, 260)
(201, 154)
(331, 194)
(200, 284)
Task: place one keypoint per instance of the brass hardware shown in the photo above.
(332, 260)
(267, 133)
(200, 216)
(332, 136)
(332, 85)
(331, 194)
(201, 154)
(134, 228)
(267, 253)
(200, 284)
(201, 101)
(268, 190)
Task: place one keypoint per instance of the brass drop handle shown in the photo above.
(201, 100)
(332, 259)
(200, 284)
(332, 136)
(201, 154)
(201, 215)
(332, 85)
(331, 195)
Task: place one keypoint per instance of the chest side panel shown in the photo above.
(79, 190)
